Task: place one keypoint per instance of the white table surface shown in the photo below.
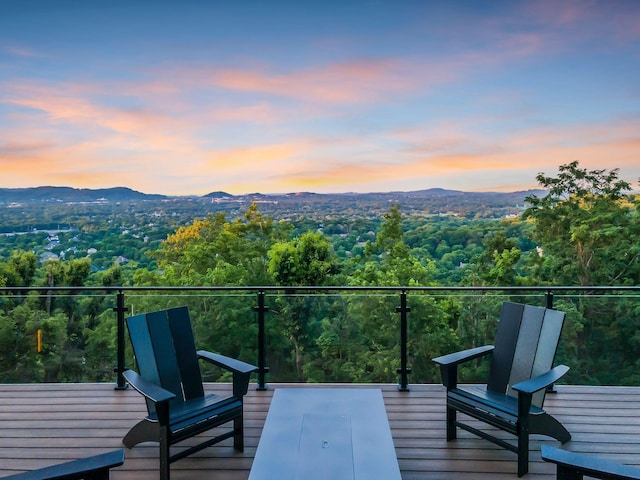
(328, 434)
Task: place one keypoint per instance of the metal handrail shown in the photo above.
(261, 309)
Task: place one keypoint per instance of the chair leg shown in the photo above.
(164, 454)
(101, 475)
(547, 425)
(238, 433)
(143, 431)
(523, 451)
(451, 423)
(567, 473)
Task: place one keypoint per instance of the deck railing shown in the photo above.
(261, 300)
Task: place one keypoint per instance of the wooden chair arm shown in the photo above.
(463, 355)
(241, 370)
(88, 467)
(228, 363)
(153, 392)
(572, 465)
(449, 363)
(542, 381)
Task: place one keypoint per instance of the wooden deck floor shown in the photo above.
(47, 423)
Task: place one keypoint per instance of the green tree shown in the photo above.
(215, 251)
(496, 265)
(586, 227)
(304, 261)
(588, 230)
(19, 270)
(390, 262)
(308, 260)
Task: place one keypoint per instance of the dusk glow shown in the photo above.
(195, 96)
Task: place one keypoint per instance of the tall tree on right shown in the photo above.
(587, 227)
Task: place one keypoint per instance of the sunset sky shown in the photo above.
(190, 97)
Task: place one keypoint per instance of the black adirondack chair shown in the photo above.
(171, 382)
(520, 372)
(96, 467)
(573, 466)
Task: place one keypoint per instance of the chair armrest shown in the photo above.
(449, 363)
(75, 469)
(588, 465)
(463, 355)
(541, 381)
(150, 390)
(228, 363)
(241, 370)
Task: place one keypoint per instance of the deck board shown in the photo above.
(44, 424)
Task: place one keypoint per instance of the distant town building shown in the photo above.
(48, 256)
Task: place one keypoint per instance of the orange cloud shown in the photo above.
(263, 157)
(23, 149)
(514, 164)
(262, 113)
(61, 104)
(170, 136)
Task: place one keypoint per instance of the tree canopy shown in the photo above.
(582, 232)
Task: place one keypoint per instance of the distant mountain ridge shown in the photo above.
(70, 194)
(73, 195)
(434, 201)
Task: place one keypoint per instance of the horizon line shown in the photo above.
(300, 192)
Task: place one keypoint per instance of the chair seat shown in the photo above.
(197, 413)
(493, 402)
(190, 408)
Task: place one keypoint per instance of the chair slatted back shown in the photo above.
(547, 347)
(526, 346)
(185, 348)
(165, 352)
(505, 346)
(526, 343)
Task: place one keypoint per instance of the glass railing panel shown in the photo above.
(601, 337)
(222, 322)
(57, 336)
(333, 337)
(314, 335)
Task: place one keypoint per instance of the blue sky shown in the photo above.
(191, 97)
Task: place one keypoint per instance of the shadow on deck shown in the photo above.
(43, 424)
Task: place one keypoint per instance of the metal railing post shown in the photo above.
(549, 299)
(404, 371)
(120, 310)
(262, 349)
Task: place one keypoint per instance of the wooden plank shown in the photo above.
(44, 424)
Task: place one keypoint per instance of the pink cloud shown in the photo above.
(63, 103)
(349, 82)
(583, 20)
(262, 113)
(561, 13)
(23, 149)
(20, 51)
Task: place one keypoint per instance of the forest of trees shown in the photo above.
(583, 231)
